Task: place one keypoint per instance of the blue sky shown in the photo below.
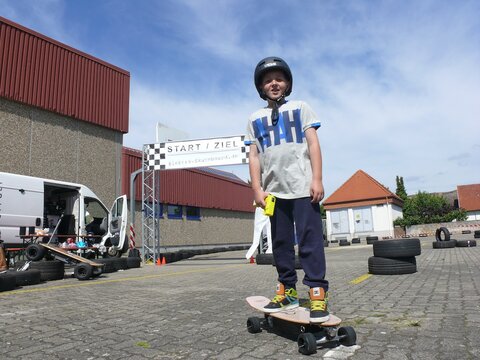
(396, 84)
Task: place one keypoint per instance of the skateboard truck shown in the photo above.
(310, 335)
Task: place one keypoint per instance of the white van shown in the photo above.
(29, 203)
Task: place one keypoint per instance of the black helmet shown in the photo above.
(268, 64)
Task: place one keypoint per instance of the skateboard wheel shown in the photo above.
(307, 344)
(347, 336)
(35, 252)
(253, 325)
(83, 271)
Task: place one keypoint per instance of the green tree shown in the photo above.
(323, 212)
(400, 191)
(424, 208)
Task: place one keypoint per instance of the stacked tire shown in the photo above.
(7, 281)
(443, 240)
(476, 234)
(394, 257)
(371, 239)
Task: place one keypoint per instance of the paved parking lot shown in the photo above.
(195, 309)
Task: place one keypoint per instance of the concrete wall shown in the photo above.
(455, 227)
(473, 215)
(40, 143)
(216, 227)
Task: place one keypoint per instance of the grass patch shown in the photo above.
(143, 344)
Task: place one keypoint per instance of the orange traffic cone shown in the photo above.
(164, 261)
(252, 260)
(158, 262)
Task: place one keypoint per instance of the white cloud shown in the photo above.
(396, 85)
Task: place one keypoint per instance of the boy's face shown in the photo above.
(274, 84)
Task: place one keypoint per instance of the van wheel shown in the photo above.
(35, 252)
(113, 252)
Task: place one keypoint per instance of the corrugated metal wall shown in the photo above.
(192, 187)
(45, 73)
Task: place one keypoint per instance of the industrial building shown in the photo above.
(63, 114)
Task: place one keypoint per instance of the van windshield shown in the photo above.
(94, 210)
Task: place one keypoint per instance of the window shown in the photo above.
(339, 219)
(158, 210)
(175, 211)
(193, 213)
(94, 210)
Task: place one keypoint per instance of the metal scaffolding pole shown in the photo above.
(150, 206)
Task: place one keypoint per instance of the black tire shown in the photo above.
(386, 266)
(371, 239)
(347, 336)
(83, 271)
(133, 262)
(27, 277)
(49, 270)
(356, 241)
(108, 265)
(466, 243)
(444, 231)
(264, 259)
(7, 282)
(476, 236)
(298, 264)
(120, 263)
(444, 244)
(307, 344)
(466, 231)
(97, 271)
(254, 325)
(476, 232)
(134, 253)
(35, 252)
(344, 243)
(397, 248)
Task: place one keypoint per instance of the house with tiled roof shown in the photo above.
(469, 199)
(361, 207)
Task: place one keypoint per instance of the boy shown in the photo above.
(285, 161)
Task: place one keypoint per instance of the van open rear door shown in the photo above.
(117, 226)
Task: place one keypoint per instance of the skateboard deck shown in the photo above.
(299, 315)
(65, 253)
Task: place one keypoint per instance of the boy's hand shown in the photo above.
(260, 196)
(316, 191)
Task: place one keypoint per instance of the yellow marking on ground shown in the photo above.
(107, 281)
(360, 279)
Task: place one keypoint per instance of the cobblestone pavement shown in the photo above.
(195, 309)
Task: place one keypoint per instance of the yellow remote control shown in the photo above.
(269, 205)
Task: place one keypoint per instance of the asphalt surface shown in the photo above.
(196, 309)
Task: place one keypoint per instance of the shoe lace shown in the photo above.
(278, 298)
(318, 305)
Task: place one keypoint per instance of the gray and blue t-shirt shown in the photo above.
(284, 160)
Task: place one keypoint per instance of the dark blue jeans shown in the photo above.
(302, 216)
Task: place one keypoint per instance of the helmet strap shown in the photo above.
(275, 105)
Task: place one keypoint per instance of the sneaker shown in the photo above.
(318, 305)
(283, 300)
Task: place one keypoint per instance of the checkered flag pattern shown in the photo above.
(154, 155)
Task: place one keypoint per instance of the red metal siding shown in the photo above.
(191, 187)
(42, 72)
